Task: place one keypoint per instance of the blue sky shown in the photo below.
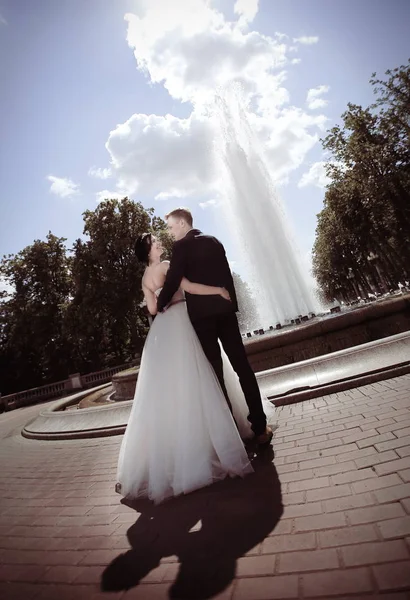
(69, 78)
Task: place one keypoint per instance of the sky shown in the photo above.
(103, 98)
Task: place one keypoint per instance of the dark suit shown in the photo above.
(202, 259)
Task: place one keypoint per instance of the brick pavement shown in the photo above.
(342, 471)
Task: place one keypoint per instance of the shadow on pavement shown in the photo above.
(235, 515)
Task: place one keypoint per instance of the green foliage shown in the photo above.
(76, 310)
(363, 232)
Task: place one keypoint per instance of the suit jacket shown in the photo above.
(201, 259)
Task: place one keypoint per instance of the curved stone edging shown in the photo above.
(291, 383)
(323, 370)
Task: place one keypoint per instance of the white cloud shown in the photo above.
(62, 186)
(193, 51)
(296, 61)
(162, 156)
(109, 195)
(314, 99)
(100, 173)
(208, 203)
(316, 176)
(246, 10)
(306, 39)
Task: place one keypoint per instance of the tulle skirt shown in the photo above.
(180, 435)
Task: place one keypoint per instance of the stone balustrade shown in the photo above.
(52, 391)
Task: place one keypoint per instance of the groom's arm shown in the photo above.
(174, 276)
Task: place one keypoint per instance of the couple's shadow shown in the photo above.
(231, 518)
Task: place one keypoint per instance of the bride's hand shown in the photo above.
(225, 294)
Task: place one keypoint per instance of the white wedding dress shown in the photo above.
(180, 434)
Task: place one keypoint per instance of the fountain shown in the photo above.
(315, 356)
(256, 213)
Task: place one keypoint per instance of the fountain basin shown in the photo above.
(344, 369)
(322, 336)
(124, 384)
(374, 360)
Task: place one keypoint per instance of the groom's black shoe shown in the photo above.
(264, 439)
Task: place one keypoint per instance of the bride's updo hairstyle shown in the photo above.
(143, 247)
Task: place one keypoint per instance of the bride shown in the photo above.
(181, 435)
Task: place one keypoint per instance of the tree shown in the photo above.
(33, 347)
(248, 317)
(107, 324)
(363, 234)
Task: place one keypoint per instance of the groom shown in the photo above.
(202, 259)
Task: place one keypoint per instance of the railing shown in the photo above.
(99, 377)
(60, 389)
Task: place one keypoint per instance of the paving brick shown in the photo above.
(100, 557)
(17, 591)
(395, 528)
(63, 592)
(22, 573)
(371, 514)
(310, 440)
(349, 535)
(335, 469)
(394, 576)
(326, 444)
(302, 457)
(352, 476)
(403, 452)
(267, 588)
(324, 521)
(296, 476)
(309, 484)
(405, 475)
(378, 425)
(256, 565)
(319, 462)
(355, 454)
(349, 502)
(288, 468)
(377, 441)
(376, 483)
(293, 498)
(373, 553)
(395, 426)
(391, 494)
(393, 443)
(342, 450)
(291, 451)
(394, 466)
(90, 575)
(359, 435)
(329, 492)
(406, 504)
(333, 583)
(301, 510)
(289, 543)
(284, 526)
(312, 560)
(375, 459)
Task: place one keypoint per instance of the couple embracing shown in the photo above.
(196, 397)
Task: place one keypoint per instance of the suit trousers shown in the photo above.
(225, 328)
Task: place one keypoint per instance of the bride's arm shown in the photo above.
(150, 299)
(198, 289)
